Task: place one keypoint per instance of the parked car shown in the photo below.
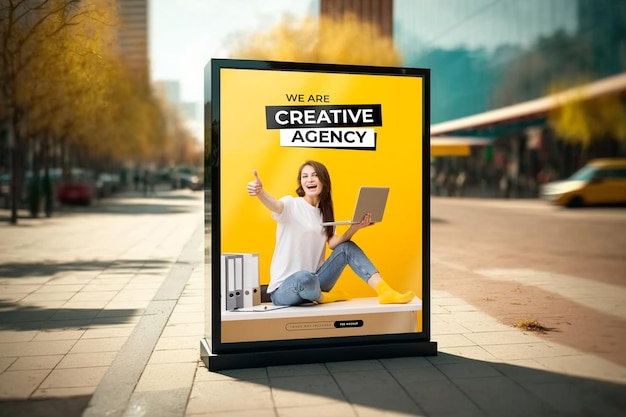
(76, 192)
(107, 184)
(600, 182)
(79, 190)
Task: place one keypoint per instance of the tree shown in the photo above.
(35, 37)
(63, 82)
(346, 40)
(583, 122)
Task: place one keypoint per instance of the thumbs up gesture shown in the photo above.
(255, 187)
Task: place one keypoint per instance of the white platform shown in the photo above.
(356, 317)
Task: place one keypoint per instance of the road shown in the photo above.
(527, 260)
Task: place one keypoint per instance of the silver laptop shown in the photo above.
(370, 200)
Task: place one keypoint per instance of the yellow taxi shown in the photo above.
(600, 182)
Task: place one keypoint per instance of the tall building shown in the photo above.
(133, 37)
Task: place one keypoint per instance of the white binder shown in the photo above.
(240, 280)
(251, 287)
(231, 300)
(223, 292)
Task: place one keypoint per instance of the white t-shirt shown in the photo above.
(300, 240)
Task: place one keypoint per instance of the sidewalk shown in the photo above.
(112, 325)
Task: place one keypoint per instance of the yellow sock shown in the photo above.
(387, 295)
(331, 297)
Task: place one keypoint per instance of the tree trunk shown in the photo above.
(17, 168)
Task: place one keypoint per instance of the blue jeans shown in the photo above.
(306, 286)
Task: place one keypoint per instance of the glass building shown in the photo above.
(486, 54)
(499, 58)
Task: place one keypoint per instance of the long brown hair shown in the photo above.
(326, 199)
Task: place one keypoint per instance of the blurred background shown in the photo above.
(99, 97)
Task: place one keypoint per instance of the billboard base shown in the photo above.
(293, 356)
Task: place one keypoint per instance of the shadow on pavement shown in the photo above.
(126, 207)
(174, 202)
(47, 407)
(446, 385)
(23, 269)
(16, 317)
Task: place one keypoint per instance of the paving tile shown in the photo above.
(189, 308)
(130, 311)
(371, 390)
(93, 305)
(45, 296)
(98, 287)
(264, 412)
(442, 398)
(133, 295)
(411, 375)
(36, 362)
(528, 351)
(63, 334)
(6, 362)
(75, 377)
(365, 411)
(412, 362)
(98, 333)
(112, 344)
(451, 340)
(297, 370)
(20, 384)
(196, 299)
(303, 390)
(468, 369)
(501, 337)
(351, 366)
(174, 356)
(469, 352)
(192, 317)
(442, 328)
(86, 360)
(248, 374)
(63, 393)
(10, 319)
(243, 396)
(61, 288)
(165, 403)
(194, 329)
(327, 410)
(477, 326)
(17, 336)
(18, 289)
(166, 376)
(463, 308)
(181, 342)
(502, 396)
(94, 296)
(72, 280)
(76, 313)
(54, 347)
(584, 366)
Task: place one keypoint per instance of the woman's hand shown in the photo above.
(366, 221)
(255, 187)
(335, 240)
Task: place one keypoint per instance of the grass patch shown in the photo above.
(531, 326)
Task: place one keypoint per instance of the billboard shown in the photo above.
(290, 148)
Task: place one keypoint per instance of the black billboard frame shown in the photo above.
(219, 356)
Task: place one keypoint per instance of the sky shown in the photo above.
(185, 34)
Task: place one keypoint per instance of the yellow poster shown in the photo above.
(365, 131)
